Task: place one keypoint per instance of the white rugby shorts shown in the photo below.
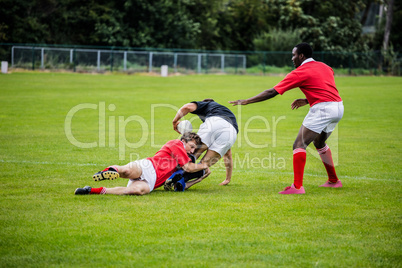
(218, 134)
(324, 116)
(148, 173)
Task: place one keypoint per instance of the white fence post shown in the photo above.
(98, 60)
(42, 60)
(125, 61)
(12, 57)
(244, 63)
(4, 67)
(175, 62)
(223, 63)
(150, 62)
(199, 63)
(164, 70)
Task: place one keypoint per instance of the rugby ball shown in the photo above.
(184, 126)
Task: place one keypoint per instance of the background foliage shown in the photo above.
(194, 24)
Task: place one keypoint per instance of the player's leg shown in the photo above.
(223, 140)
(200, 150)
(136, 187)
(228, 160)
(303, 139)
(326, 156)
(129, 171)
(319, 141)
(211, 157)
(334, 113)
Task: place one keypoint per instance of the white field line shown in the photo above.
(213, 169)
(48, 163)
(310, 175)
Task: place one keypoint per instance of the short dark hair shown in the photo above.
(188, 136)
(208, 100)
(305, 49)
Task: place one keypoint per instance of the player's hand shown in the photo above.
(238, 102)
(298, 103)
(207, 172)
(175, 126)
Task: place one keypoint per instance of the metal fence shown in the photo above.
(130, 60)
(101, 60)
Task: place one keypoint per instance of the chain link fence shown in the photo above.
(131, 60)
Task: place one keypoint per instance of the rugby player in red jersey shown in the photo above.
(316, 80)
(145, 175)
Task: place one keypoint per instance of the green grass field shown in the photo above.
(245, 224)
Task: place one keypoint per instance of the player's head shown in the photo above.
(300, 53)
(305, 49)
(191, 141)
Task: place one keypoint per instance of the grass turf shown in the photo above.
(244, 224)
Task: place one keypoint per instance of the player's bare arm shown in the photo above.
(195, 181)
(265, 95)
(193, 167)
(183, 111)
(298, 103)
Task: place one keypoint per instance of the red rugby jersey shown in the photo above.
(315, 79)
(167, 159)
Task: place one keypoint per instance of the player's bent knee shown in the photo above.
(124, 171)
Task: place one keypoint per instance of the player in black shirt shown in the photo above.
(218, 134)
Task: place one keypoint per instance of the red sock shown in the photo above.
(299, 161)
(326, 157)
(101, 190)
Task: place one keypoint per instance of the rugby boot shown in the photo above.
(108, 173)
(337, 184)
(82, 191)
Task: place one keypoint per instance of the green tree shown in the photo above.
(329, 25)
(247, 18)
(277, 40)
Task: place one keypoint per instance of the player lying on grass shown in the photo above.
(145, 175)
(218, 133)
(316, 80)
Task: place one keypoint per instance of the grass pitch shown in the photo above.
(46, 120)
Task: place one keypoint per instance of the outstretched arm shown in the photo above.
(185, 109)
(265, 95)
(228, 160)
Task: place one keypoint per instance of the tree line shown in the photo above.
(240, 25)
